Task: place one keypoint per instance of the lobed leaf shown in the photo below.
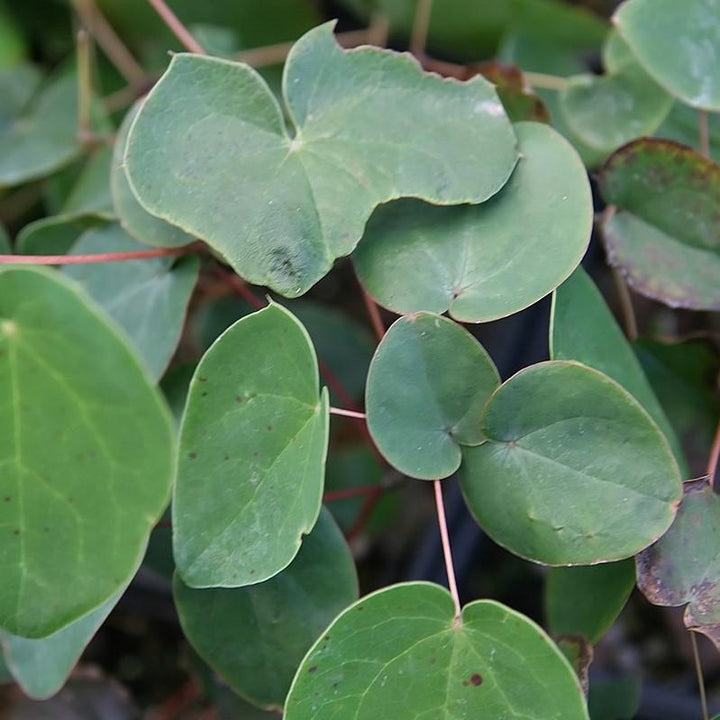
(369, 126)
(428, 383)
(483, 262)
(574, 471)
(398, 653)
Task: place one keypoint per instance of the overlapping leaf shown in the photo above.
(482, 262)
(148, 298)
(256, 637)
(86, 450)
(369, 127)
(42, 666)
(252, 454)
(139, 223)
(678, 43)
(585, 601)
(582, 328)
(664, 235)
(574, 471)
(683, 567)
(398, 653)
(427, 386)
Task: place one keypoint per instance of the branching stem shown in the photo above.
(347, 413)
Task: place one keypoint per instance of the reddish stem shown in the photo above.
(97, 257)
(445, 537)
(178, 29)
(365, 513)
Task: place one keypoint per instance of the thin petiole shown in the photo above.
(447, 552)
(347, 413)
(699, 672)
(97, 257)
(178, 29)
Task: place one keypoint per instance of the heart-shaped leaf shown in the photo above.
(574, 470)
(148, 298)
(483, 262)
(252, 454)
(585, 601)
(399, 653)
(678, 43)
(664, 235)
(86, 451)
(427, 386)
(683, 567)
(582, 328)
(255, 637)
(138, 222)
(370, 126)
(42, 666)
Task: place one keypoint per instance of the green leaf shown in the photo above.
(586, 600)
(678, 44)
(582, 328)
(148, 298)
(608, 111)
(44, 137)
(684, 377)
(41, 667)
(56, 234)
(256, 637)
(252, 454)
(344, 346)
(398, 653)
(683, 567)
(139, 223)
(87, 449)
(664, 236)
(483, 262)
(369, 127)
(574, 470)
(427, 386)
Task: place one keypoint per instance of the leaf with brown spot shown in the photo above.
(683, 567)
(665, 232)
(520, 102)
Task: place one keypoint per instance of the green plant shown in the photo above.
(457, 204)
